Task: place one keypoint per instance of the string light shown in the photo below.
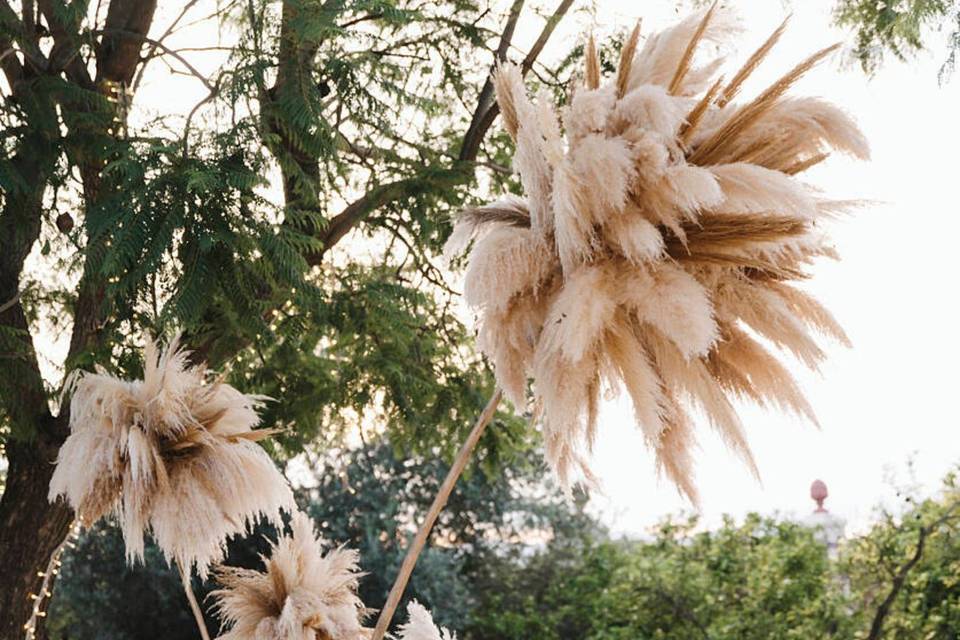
(53, 568)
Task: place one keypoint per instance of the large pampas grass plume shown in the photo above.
(658, 245)
(174, 454)
(306, 592)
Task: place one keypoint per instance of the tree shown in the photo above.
(906, 569)
(760, 579)
(898, 27)
(374, 121)
(366, 498)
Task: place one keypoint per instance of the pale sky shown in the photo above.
(884, 401)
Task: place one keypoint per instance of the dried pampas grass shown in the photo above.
(657, 247)
(420, 625)
(304, 594)
(173, 453)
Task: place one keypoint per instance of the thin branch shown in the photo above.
(371, 16)
(485, 99)
(410, 561)
(154, 47)
(876, 626)
(9, 303)
(194, 607)
(156, 44)
(484, 116)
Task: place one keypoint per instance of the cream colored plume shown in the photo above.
(420, 625)
(174, 454)
(658, 245)
(304, 594)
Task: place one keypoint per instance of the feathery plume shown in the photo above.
(669, 231)
(303, 594)
(420, 625)
(173, 453)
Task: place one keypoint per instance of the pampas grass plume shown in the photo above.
(658, 244)
(174, 454)
(306, 592)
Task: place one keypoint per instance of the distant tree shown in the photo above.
(898, 27)
(322, 121)
(905, 571)
(762, 579)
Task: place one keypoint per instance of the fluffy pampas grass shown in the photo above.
(420, 625)
(304, 593)
(174, 454)
(658, 244)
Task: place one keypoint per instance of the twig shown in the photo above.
(880, 617)
(192, 599)
(12, 301)
(410, 561)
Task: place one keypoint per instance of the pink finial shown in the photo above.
(818, 491)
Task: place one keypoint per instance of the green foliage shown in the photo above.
(928, 606)
(898, 27)
(762, 578)
(214, 224)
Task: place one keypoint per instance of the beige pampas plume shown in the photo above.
(657, 246)
(420, 625)
(305, 593)
(174, 454)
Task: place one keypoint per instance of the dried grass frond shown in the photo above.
(307, 592)
(591, 73)
(711, 150)
(626, 60)
(420, 625)
(173, 454)
(696, 114)
(667, 226)
(753, 62)
(506, 80)
(683, 66)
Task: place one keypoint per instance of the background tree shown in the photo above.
(762, 578)
(906, 570)
(898, 28)
(322, 120)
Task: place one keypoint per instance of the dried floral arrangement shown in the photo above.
(658, 245)
(657, 249)
(303, 594)
(173, 454)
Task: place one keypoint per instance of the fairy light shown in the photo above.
(48, 574)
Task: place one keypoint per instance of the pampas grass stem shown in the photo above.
(194, 606)
(413, 553)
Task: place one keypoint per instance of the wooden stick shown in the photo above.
(192, 599)
(410, 561)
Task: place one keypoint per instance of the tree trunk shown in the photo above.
(30, 529)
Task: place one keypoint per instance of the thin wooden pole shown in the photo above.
(410, 561)
(192, 599)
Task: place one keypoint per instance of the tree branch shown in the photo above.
(876, 627)
(483, 117)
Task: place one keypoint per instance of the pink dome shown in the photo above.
(818, 491)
